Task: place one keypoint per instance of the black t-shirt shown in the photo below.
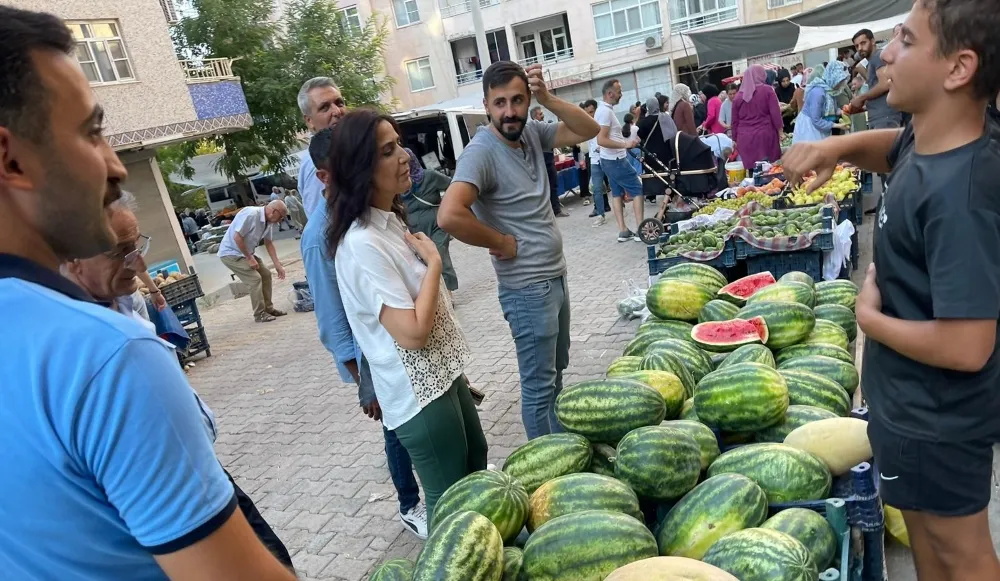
(937, 255)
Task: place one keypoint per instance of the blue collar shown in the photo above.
(12, 266)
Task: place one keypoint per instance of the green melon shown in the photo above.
(643, 339)
(708, 443)
(623, 365)
(786, 474)
(811, 389)
(463, 547)
(680, 329)
(394, 570)
(658, 463)
(717, 359)
(669, 385)
(837, 292)
(513, 560)
(718, 506)
(827, 333)
(585, 545)
(687, 410)
(496, 495)
(845, 374)
(696, 360)
(796, 351)
(762, 555)
(697, 272)
(797, 276)
(604, 410)
(548, 457)
(796, 416)
(663, 360)
(841, 315)
(580, 492)
(787, 323)
(809, 528)
(742, 397)
(603, 460)
(676, 299)
(791, 291)
(750, 354)
(717, 310)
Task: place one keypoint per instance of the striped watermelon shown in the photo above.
(708, 443)
(605, 410)
(810, 529)
(717, 310)
(717, 359)
(658, 463)
(718, 506)
(837, 292)
(762, 555)
(749, 354)
(585, 545)
(797, 276)
(727, 336)
(665, 382)
(742, 397)
(623, 365)
(739, 291)
(676, 299)
(394, 570)
(697, 361)
(697, 272)
(680, 329)
(827, 333)
(496, 495)
(643, 339)
(603, 460)
(669, 569)
(843, 373)
(463, 547)
(513, 560)
(796, 416)
(786, 474)
(792, 292)
(687, 410)
(580, 492)
(795, 351)
(787, 323)
(548, 457)
(811, 389)
(662, 360)
(841, 315)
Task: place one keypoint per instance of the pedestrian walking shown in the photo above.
(390, 282)
(252, 226)
(930, 302)
(757, 125)
(598, 183)
(499, 199)
(108, 472)
(296, 213)
(322, 106)
(622, 176)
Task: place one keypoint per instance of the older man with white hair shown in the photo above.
(252, 226)
(322, 106)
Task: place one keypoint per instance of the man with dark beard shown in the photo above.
(499, 199)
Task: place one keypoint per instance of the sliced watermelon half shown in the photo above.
(725, 336)
(739, 291)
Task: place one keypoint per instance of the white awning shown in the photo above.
(820, 37)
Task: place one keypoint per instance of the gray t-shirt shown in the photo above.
(514, 199)
(878, 109)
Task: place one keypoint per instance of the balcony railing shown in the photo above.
(207, 70)
(469, 77)
(463, 7)
(708, 18)
(548, 58)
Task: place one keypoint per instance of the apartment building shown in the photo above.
(151, 98)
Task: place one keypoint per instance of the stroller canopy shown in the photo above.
(683, 158)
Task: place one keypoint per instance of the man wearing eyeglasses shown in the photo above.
(251, 226)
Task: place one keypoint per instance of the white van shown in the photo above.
(439, 133)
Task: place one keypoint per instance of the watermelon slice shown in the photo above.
(725, 336)
(739, 291)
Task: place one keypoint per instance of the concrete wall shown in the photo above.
(757, 10)
(155, 214)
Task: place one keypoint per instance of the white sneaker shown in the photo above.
(416, 521)
(600, 221)
(491, 467)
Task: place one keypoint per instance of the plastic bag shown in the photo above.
(895, 524)
(634, 303)
(834, 260)
(719, 215)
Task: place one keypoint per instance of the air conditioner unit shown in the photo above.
(170, 11)
(654, 41)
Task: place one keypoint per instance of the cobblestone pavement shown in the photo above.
(292, 434)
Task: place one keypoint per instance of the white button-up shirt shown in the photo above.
(252, 226)
(309, 186)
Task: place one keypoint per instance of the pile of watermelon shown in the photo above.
(639, 488)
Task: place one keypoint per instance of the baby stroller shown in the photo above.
(682, 167)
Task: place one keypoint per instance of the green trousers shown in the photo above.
(445, 442)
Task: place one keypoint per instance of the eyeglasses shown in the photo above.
(131, 258)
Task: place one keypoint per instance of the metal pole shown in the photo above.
(481, 45)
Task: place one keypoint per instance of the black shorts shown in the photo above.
(940, 478)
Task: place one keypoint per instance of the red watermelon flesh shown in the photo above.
(742, 289)
(728, 335)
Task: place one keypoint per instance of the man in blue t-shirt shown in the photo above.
(108, 472)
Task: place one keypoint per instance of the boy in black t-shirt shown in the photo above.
(931, 301)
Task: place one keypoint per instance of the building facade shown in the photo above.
(151, 98)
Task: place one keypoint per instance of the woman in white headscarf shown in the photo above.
(819, 113)
(681, 110)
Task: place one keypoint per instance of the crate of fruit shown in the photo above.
(178, 288)
(708, 243)
(777, 231)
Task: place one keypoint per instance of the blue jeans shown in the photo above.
(622, 177)
(397, 458)
(538, 315)
(597, 189)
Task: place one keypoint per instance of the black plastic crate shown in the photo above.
(723, 261)
(764, 179)
(198, 344)
(867, 183)
(824, 241)
(182, 290)
(187, 312)
(781, 263)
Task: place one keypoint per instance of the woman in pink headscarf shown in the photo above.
(757, 125)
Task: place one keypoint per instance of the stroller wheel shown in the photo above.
(650, 230)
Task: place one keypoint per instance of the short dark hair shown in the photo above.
(959, 25)
(319, 149)
(710, 90)
(865, 33)
(501, 73)
(607, 86)
(629, 118)
(589, 103)
(732, 87)
(23, 104)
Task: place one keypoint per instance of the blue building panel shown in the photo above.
(218, 99)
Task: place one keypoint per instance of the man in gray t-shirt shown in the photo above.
(880, 114)
(499, 199)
